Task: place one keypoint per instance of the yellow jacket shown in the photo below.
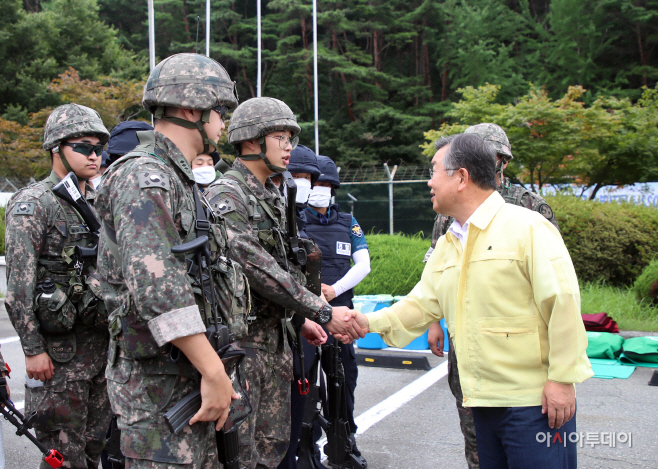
(511, 303)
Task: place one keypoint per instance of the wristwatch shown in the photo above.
(325, 314)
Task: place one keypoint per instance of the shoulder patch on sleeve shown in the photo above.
(148, 179)
(357, 231)
(24, 208)
(545, 210)
(224, 206)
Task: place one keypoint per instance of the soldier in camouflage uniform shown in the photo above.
(55, 304)
(512, 194)
(147, 204)
(264, 131)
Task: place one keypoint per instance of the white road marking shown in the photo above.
(392, 403)
(9, 340)
(19, 405)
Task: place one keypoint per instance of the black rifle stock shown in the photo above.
(298, 252)
(51, 456)
(340, 441)
(68, 189)
(307, 449)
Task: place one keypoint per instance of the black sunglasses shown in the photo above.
(85, 148)
(221, 110)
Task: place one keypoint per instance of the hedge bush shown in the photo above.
(396, 264)
(646, 285)
(608, 242)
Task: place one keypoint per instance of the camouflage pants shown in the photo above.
(264, 437)
(465, 413)
(74, 416)
(140, 397)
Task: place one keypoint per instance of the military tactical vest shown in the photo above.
(68, 295)
(335, 242)
(128, 329)
(270, 225)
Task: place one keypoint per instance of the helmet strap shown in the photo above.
(66, 164)
(205, 118)
(261, 155)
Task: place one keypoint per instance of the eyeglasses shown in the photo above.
(442, 169)
(221, 110)
(85, 148)
(284, 140)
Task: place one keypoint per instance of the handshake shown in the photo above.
(346, 325)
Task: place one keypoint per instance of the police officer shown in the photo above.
(54, 300)
(264, 131)
(341, 240)
(123, 138)
(147, 202)
(513, 194)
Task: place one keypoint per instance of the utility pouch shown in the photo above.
(233, 295)
(313, 267)
(55, 312)
(62, 347)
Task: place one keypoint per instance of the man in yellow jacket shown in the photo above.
(504, 281)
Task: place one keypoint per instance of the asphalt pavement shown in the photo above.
(410, 418)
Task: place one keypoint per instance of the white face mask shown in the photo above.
(320, 196)
(303, 190)
(95, 182)
(204, 175)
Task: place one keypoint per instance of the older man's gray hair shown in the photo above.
(471, 152)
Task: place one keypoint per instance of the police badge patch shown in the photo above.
(545, 210)
(357, 231)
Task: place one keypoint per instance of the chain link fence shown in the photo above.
(388, 200)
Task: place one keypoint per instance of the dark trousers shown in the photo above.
(520, 438)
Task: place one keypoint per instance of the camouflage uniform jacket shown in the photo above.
(513, 194)
(255, 242)
(147, 207)
(39, 227)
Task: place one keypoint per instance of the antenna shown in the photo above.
(196, 45)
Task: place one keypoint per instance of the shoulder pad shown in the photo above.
(154, 179)
(24, 208)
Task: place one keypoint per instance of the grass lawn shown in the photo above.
(621, 304)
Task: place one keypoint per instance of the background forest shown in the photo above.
(390, 70)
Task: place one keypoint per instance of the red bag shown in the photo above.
(599, 322)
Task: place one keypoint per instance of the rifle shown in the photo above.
(340, 441)
(221, 340)
(52, 457)
(307, 449)
(113, 446)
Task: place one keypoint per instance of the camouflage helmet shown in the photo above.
(258, 117)
(189, 81)
(72, 121)
(495, 135)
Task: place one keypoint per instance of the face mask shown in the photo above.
(320, 196)
(303, 190)
(95, 182)
(204, 175)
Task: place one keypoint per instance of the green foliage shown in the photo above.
(610, 142)
(646, 285)
(621, 305)
(608, 242)
(396, 264)
(38, 45)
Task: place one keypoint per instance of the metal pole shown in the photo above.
(151, 35)
(258, 79)
(391, 175)
(315, 74)
(207, 28)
